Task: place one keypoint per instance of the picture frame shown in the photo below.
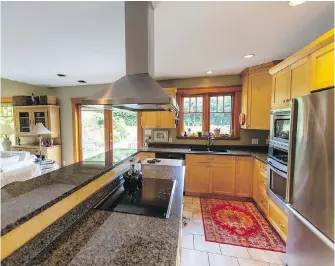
(161, 136)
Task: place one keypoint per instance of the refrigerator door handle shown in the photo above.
(311, 227)
(290, 166)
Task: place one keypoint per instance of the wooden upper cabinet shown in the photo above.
(162, 119)
(26, 117)
(256, 97)
(309, 69)
(223, 179)
(280, 88)
(244, 178)
(259, 101)
(150, 120)
(299, 85)
(197, 178)
(322, 67)
(167, 120)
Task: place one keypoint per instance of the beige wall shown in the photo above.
(11, 87)
(245, 138)
(202, 82)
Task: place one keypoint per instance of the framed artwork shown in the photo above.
(161, 136)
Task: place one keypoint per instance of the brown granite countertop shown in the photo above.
(260, 154)
(20, 201)
(110, 238)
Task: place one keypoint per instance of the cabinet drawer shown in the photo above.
(262, 180)
(263, 201)
(278, 219)
(145, 155)
(220, 159)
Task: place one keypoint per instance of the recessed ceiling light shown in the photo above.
(296, 2)
(61, 75)
(82, 81)
(209, 72)
(248, 56)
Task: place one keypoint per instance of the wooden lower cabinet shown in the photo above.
(256, 167)
(197, 178)
(243, 177)
(278, 218)
(223, 179)
(145, 155)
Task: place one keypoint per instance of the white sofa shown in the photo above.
(17, 166)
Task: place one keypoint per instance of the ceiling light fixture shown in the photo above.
(248, 56)
(61, 75)
(209, 72)
(296, 2)
(82, 81)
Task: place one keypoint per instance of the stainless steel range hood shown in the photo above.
(137, 91)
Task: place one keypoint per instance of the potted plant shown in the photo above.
(217, 132)
(199, 134)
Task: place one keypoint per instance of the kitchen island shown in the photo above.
(111, 238)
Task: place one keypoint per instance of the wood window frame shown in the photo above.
(206, 92)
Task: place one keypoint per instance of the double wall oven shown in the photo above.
(278, 168)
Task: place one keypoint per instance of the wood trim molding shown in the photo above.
(76, 128)
(259, 68)
(139, 131)
(320, 42)
(209, 90)
(236, 113)
(6, 100)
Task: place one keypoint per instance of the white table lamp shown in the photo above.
(6, 142)
(40, 130)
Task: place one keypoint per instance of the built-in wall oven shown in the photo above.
(277, 170)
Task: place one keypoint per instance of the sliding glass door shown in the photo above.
(101, 130)
(92, 133)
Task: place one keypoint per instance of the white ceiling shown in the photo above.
(85, 40)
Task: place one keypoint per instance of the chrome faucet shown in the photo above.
(210, 137)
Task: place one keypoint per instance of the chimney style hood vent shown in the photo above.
(137, 91)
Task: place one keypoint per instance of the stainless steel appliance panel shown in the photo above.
(313, 170)
(307, 246)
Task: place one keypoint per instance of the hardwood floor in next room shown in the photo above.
(196, 251)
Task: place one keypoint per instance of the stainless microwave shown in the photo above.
(280, 127)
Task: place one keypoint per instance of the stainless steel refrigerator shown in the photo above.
(311, 181)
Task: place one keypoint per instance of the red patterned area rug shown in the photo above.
(238, 223)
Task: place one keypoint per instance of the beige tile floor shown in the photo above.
(196, 251)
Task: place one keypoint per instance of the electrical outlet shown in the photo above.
(267, 141)
(64, 163)
(254, 141)
(170, 139)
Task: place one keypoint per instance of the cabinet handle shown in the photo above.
(284, 101)
(263, 201)
(281, 224)
(264, 183)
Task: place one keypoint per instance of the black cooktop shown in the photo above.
(153, 199)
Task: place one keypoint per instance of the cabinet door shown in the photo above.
(150, 120)
(243, 179)
(255, 175)
(40, 115)
(167, 120)
(223, 179)
(259, 96)
(280, 88)
(299, 79)
(197, 178)
(322, 68)
(23, 120)
(244, 100)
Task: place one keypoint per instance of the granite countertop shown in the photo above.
(22, 200)
(260, 154)
(110, 238)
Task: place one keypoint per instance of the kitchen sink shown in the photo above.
(207, 149)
